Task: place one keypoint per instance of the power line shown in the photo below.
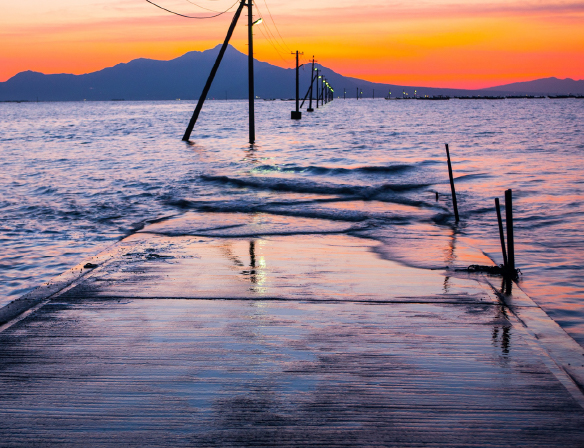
(202, 7)
(272, 44)
(270, 31)
(192, 17)
(275, 26)
(271, 39)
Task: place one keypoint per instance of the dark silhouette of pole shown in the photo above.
(297, 115)
(501, 233)
(510, 238)
(191, 125)
(454, 203)
(250, 72)
(317, 78)
(357, 92)
(310, 109)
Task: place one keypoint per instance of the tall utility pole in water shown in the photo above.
(310, 109)
(317, 78)
(250, 72)
(297, 115)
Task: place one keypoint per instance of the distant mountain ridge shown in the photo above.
(544, 86)
(185, 76)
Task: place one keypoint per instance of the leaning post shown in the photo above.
(501, 233)
(454, 202)
(191, 125)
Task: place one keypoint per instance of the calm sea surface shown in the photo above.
(75, 177)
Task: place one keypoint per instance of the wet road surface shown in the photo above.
(282, 341)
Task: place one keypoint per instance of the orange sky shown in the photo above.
(442, 43)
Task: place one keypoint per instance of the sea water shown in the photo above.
(77, 176)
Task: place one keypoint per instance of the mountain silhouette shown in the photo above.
(544, 86)
(185, 76)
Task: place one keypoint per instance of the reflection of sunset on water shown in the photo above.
(376, 178)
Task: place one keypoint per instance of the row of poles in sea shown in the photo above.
(324, 94)
(324, 91)
(508, 269)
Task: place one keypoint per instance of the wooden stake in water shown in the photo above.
(510, 239)
(454, 203)
(501, 233)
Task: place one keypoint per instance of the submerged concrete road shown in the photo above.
(179, 339)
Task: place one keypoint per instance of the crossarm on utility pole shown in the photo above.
(207, 87)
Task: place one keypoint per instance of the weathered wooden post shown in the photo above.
(501, 233)
(510, 239)
(454, 202)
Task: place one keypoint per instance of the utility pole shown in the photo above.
(191, 125)
(250, 72)
(317, 78)
(344, 93)
(297, 115)
(310, 109)
(322, 91)
(357, 92)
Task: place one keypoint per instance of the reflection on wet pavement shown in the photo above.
(179, 336)
(277, 373)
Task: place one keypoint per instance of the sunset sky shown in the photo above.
(441, 43)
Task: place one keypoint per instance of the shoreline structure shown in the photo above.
(277, 336)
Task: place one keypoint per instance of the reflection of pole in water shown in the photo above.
(252, 261)
(250, 154)
(449, 252)
(446, 285)
(505, 340)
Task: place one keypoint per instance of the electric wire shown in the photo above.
(193, 17)
(202, 7)
(272, 39)
(267, 37)
(270, 31)
(271, 43)
(275, 26)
